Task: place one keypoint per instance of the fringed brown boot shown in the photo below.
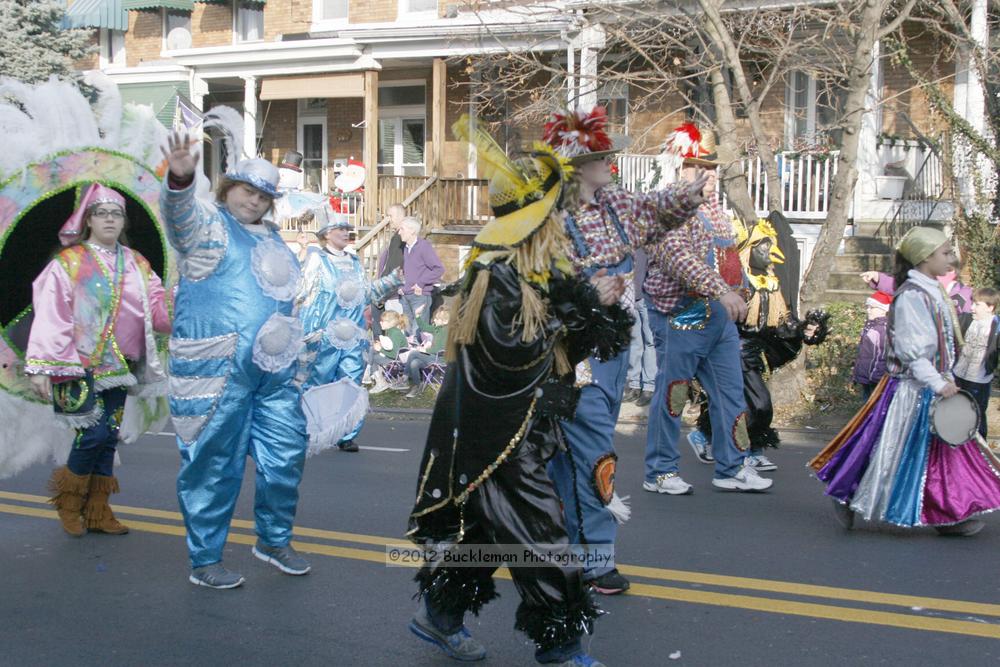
(69, 492)
(100, 518)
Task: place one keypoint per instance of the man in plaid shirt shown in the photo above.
(693, 288)
(605, 225)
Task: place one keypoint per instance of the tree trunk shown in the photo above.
(730, 55)
(734, 179)
(842, 188)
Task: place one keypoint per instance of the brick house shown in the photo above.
(377, 80)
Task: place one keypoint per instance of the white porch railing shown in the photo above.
(806, 178)
(805, 181)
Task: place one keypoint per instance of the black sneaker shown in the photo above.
(630, 395)
(610, 583)
(645, 398)
(348, 446)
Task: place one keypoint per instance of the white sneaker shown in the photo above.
(669, 483)
(746, 479)
(760, 463)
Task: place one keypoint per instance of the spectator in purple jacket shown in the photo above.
(870, 365)
(960, 293)
(422, 269)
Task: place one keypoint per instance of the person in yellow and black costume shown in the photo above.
(520, 323)
(770, 337)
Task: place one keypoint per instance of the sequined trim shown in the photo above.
(196, 387)
(199, 349)
(677, 395)
(740, 435)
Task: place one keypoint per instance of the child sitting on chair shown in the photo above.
(435, 335)
(388, 348)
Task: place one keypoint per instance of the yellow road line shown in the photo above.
(663, 574)
(789, 607)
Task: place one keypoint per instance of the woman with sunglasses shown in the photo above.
(96, 306)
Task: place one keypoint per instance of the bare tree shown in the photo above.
(719, 63)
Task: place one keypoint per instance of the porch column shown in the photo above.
(439, 101)
(199, 89)
(371, 147)
(969, 100)
(250, 116)
(869, 161)
(591, 39)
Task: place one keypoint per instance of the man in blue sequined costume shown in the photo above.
(331, 304)
(233, 361)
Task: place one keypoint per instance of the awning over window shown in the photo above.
(109, 14)
(350, 84)
(161, 96)
(141, 5)
(242, 2)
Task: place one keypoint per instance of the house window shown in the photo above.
(418, 6)
(312, 143)
(112, 46)
(812, 110)
(330, 10)
(174, 20)
(402, 128)
(613, 96)
(249, 21)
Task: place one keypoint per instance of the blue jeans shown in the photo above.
(981, 392)
(411, 304)
(93, 450)
(712, 355)
(590, 435)
(642, 352)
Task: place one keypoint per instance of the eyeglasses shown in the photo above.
(114, 214)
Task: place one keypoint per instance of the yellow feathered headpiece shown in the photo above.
(761, 231)
(522, 192)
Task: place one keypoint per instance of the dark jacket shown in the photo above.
(870, 364)
(992, 354)
(483, 405)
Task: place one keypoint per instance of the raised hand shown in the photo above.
(696, 189)
(181, 160)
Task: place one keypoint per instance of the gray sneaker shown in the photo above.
(215, 576)
(459, 646)
(967, 528)
(286, 558)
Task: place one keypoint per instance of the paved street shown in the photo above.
(723, 579)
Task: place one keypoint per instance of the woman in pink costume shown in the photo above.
(96, 307)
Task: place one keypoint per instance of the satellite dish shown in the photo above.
(178, 39)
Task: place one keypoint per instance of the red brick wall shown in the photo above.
(372, 11)
(144, 39)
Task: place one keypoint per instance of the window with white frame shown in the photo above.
(112, 48)
(402, 128)
(812, 110)
(330, 10)
(175, 19)
(613, 96)
(248, 21)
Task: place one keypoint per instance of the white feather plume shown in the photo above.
(229, 122)
(37, 121)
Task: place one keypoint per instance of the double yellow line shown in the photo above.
(869, 607)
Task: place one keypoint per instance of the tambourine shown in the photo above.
(955, 419)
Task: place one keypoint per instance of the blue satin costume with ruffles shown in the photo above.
(323, 302)
(224, 405)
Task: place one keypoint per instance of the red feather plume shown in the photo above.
(575, 133)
